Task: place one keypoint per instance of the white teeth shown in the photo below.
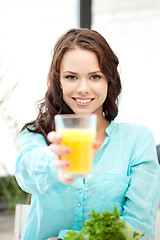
(83, 101)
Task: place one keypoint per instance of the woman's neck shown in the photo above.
(102, 124)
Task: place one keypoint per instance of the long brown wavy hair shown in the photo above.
(53, 102)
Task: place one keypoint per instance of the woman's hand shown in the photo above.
(53, 238)
(59, 150)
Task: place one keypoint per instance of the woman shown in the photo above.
(83, 78)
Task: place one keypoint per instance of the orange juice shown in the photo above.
(81, 143)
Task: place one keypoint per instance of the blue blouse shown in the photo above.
(125, 173)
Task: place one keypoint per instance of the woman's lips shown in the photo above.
(83, 101)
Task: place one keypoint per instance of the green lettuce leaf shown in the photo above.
(104, 226)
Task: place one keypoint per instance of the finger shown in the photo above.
(60, 150)
(61, 164)
(63, 179)
(53, 137)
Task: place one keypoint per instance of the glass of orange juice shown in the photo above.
(78, 132)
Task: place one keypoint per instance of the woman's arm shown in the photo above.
(34, 171)
(143, 194)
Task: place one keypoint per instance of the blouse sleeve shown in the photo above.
(34, 170)
(143, 195)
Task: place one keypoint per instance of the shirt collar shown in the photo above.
(110, 128)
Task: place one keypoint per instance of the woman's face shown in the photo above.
(83, 84)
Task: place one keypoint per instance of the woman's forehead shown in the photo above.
(79, 59)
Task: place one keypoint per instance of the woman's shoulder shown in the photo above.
(134, 128)
(31, 137)
(29, 133)
(129, 125)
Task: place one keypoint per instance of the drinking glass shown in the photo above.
(78, 132)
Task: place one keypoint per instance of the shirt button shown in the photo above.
(80, 190)
(79, 204)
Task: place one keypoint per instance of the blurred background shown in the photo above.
(28, 32)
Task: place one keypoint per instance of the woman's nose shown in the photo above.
(83, 87)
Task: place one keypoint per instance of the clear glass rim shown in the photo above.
(74, 115)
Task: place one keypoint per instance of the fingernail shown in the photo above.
(59, 138)
(70, 179)
(67, 164)
(67, 151)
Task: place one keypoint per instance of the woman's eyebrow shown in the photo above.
(90, 73)
(69, 72)
(95, 72)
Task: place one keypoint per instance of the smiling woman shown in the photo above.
(79, 49)
(83, 78)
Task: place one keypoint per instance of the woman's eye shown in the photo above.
(94, 77)
(70, 77)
